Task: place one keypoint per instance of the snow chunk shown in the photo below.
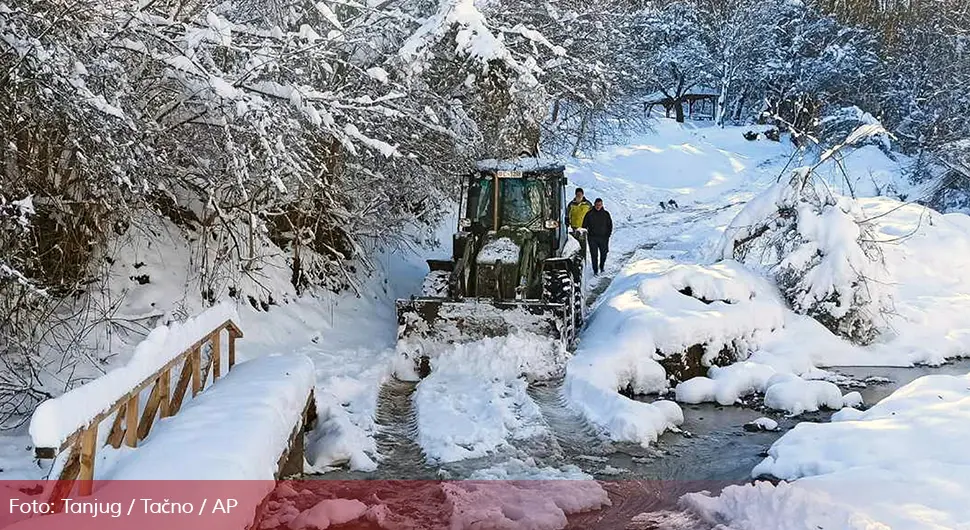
(801, 396)
(223, 88)
(526, 505)
(502, 250)
(696, 390)
(378, 74)
(764, 424)
(516, 469)
(435, 284)
(329, 512)
(56, 419)
(853, 400)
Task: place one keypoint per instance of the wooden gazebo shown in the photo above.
(701, 103)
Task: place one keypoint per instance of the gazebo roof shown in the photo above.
(698, 91)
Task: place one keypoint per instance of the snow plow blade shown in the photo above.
(425, 322)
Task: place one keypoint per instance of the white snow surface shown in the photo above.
(235, 430)
(800, 396)
(475, 400)
(900, 464)
(56, 419)
(502, 250)
(328, 512)
(521, 505)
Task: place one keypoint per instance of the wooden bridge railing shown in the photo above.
(129, 426)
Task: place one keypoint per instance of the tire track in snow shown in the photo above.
(573, 435)
(396, 435)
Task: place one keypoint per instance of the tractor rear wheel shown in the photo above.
(560, 287)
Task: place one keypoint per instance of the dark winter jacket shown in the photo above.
(598, 223)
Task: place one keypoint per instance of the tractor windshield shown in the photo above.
(522, 202)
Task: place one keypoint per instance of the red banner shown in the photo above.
(343, 504)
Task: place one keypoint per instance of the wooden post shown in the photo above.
(89, 443)
(216, 354)
(131, 421)
(185, 375)
(165, 392)
(196, 356)
(232, 348)
(148, 415)
(115, 435)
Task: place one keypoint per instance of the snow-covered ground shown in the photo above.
(664, 290)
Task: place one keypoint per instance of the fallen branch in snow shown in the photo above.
(819, 250)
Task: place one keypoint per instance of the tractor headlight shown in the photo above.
(552, 223)
(465, 223)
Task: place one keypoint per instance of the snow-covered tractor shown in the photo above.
(514, 264)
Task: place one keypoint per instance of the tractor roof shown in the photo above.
(530, 165)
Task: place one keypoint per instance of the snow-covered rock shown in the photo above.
(797, 397)
(762, 424)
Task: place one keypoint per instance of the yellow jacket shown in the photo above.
(576, 212)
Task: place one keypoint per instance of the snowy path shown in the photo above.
(478, 408)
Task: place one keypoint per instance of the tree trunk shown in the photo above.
(722, 100)
(679, 110)
(581, 133)
(739, 106)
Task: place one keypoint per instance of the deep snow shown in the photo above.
(475, 402)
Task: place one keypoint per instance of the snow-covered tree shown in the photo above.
(675, 56)
(736, 35)
(813, 61)
(820, 248)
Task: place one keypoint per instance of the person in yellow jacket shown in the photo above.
(577, 209)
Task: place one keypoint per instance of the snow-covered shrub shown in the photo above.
(820, 250)
(838, 125)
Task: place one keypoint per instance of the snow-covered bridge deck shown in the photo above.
(246, 425)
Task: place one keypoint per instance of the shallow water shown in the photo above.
(712, 445)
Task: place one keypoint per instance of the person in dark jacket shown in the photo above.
(599, 228)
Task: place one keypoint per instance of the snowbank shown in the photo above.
(653, 309)
(900, 464)
(56, 419)
(213, 436)
(348, 384)
(475, 400)
(928, 257)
